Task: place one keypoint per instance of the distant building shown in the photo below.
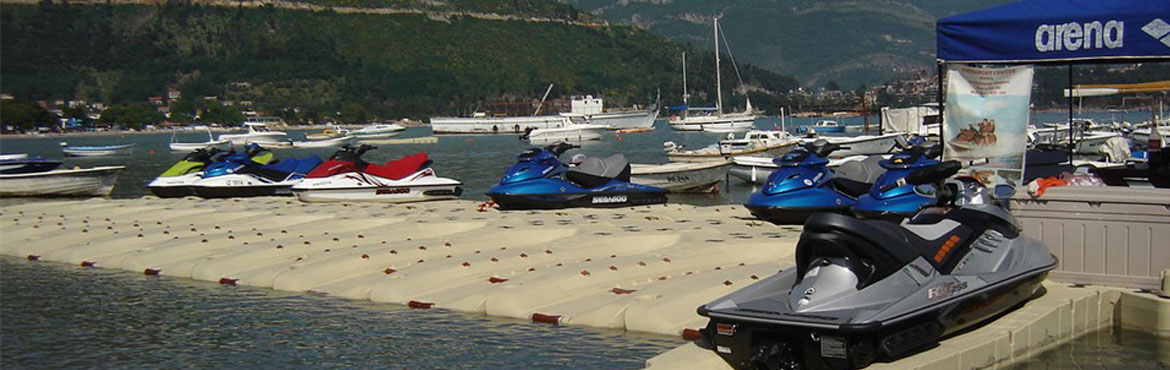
(156, 100)
(174, 94)
(6, 97)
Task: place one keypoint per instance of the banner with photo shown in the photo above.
(987, 117)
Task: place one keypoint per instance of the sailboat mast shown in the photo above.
(718, 79)
(685, 94)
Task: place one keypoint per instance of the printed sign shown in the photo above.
(987, 117)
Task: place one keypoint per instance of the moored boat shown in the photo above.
(700, 177)
(17, 163)
(711, 119)
(190, 147)
(377, 131)
(257, 132)
(96, 181)
(96, 151)
(758, 142)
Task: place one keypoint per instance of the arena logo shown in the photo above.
(1158, 29)
(1074, 36)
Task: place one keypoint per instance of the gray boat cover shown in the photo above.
(594, 169)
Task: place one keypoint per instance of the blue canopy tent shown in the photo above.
(1056, 31)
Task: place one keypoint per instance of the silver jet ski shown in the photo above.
(872, 290)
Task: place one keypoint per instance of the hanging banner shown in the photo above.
(987, 117)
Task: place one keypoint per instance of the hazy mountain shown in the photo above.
(849, 41)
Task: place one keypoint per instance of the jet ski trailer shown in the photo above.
(867, 290)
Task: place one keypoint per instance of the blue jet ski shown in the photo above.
(539, 180)
(804, 184)
(253, 180)
(891, 198)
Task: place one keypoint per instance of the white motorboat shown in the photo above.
(326, 143)
(863, 144)
(377, 131)
(754, 142)
(409, 179)
(258, 132)
(1086, 142)
(711, 119)
(701, 177)
(191, 147)
(96, 181)
(755, 170)
(573, 132)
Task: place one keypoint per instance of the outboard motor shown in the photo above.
(891, 197)
(804, 185)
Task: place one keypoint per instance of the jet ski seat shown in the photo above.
(855, 178)
(398, 169)
(282, 170)
(883, 245)
(596, 171)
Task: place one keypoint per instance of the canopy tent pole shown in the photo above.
(1071, 143)
(942, 141)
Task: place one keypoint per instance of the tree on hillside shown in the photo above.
(131, 116)
(25, 116)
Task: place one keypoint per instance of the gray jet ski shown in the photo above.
(872, 290)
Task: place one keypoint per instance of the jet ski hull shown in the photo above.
(242, 185)
(361, 187)
(577, 200)
(174, 186)
(748, 339)
(795, 207)
(558, 194)
(891, 209)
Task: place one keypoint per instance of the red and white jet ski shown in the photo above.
(345, 177)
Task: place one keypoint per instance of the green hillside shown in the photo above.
(313, 64)
(851, 42)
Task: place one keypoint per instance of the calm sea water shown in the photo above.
(55, 316)
(477, 160)
(1106, 349)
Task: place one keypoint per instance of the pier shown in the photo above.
(641, 269)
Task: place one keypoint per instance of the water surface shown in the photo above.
(55, 316)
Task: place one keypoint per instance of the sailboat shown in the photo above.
(711, 119)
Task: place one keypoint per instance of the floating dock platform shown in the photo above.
(643, 269)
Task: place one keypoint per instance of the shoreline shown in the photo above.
(182, 130)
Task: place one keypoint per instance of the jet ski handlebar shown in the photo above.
(560, 148)
(822, 148)
(934, 174)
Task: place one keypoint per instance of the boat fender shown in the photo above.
(420, 304)
(692, 335)
(546, 319)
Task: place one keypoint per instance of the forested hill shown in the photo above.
(385, 59)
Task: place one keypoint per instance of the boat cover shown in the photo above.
(856, 177)
(596, 171)
(398, 169)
